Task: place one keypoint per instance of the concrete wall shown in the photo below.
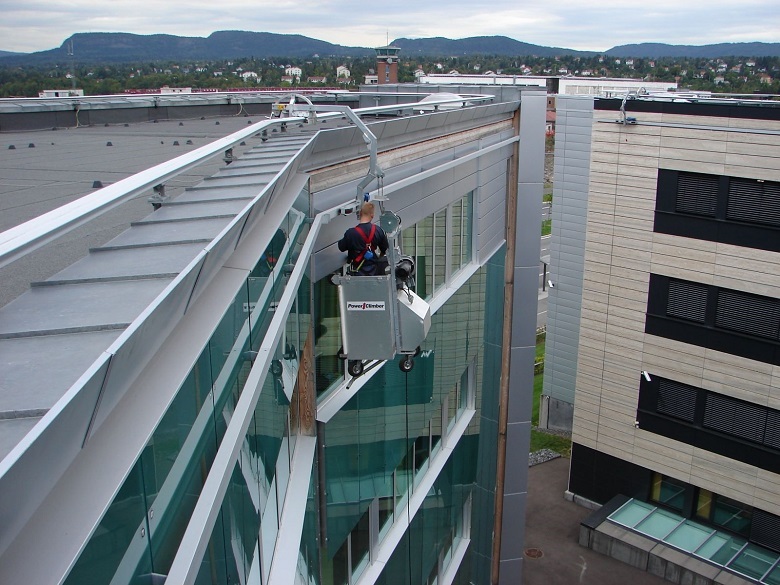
(567, 259)
(621, 252)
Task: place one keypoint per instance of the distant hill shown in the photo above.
(224, 45)
(658, 50)
(497, 45)
(127, 47)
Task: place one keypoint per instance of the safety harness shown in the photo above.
(360, 258)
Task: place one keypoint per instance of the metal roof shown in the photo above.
(77, 306)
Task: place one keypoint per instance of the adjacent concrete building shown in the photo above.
(663, 330)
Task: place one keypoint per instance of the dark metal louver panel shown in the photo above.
(697, 194)
(751, 314)
(765, 530)
(687, 300)
(754, 201)
(772, 433)
(678, 400)
(735, 417)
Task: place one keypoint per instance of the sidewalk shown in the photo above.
(552, 526)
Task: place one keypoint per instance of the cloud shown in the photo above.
(577, 24)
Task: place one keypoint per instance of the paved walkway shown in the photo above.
(552, 526)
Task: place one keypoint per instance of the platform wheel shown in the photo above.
(355, 368)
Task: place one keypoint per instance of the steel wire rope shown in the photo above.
(409, 487)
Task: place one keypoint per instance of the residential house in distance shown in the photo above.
(371, 78)
(294, 71)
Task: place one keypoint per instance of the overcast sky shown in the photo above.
(36, 25)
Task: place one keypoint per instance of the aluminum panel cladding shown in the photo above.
(414, 320)
(367, 306)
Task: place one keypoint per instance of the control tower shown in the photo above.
(387, 64)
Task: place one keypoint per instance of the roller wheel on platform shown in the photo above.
(355, 368)
(406, 364)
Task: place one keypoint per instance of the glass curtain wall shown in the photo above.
(437, 529)
(379, 446)
(141, 530)
(441, 245)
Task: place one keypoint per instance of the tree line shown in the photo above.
(725, 75)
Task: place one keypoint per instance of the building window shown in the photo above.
(441, 245)
(696, 194)
(731, 210)
(721, 424)
(677, 400)
(687, 300)
(724, 512)
(668, 491)
(748, 313)
(735, 417)
(731, 321)
(754, 201)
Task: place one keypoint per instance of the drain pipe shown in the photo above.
(506, 349)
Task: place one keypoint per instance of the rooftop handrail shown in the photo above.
(31, 235)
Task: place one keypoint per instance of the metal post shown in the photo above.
(503, 406)
(159, 196)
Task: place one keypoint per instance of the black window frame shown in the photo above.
(717, 226)
(700, 431)
(659, 322)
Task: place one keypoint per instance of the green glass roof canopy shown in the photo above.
(715, 547)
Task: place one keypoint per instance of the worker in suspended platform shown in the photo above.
(362, 242)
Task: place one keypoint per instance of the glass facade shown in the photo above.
(724, 512)
(668, 491)
(400, 435)
(141, 531)
(380, 445)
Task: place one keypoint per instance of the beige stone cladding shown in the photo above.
(622, 251)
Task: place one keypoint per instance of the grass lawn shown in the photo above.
(540, 439)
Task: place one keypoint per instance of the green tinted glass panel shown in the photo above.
(631, 513)
(658, 524)
(773, 578)
(425, 257)
(689, 536)
(468, 216)
(456, 256)
(329, 369)
(360, 545)
(754, 561)
(123, 527)
(711, 546)
(439, 248)
(728, 550)
(732, 515)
